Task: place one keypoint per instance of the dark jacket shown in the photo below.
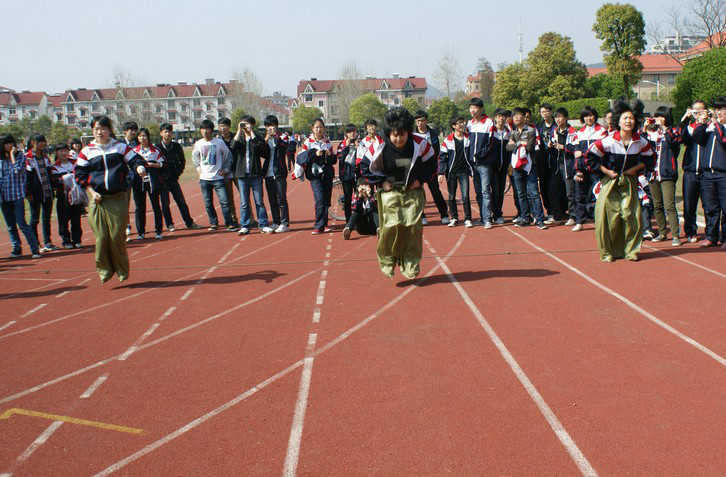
(33, 185)
(423, 167)
(667, 147)
(174, 160)
(481, 140)
(346, 171)
(713, 139)
(546, 154)
(694, 151)
(279, 164)
(259, 150)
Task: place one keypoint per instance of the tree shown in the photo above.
(605, 85)
(154, 132)
(448, 73)
(237, 116)
(59, 132)
(411, 105)
(128, 87)
(347, 89)
(441, 111)
(246, 91)
(486, 79)
(553, 73)
(702, 78)
(366, 107)
(622, 31)
(303, 117)
(508, 89)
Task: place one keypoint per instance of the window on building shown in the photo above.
(70, 108)
(384, 95)
(119, 106)
(58, 117)
(12, 111)
(208, 106)
(170, 103)
(321, 103)
(396, 101)
(308, 98)
(132, 109)
(196, 102)
(656, 78)
(407, 94)
(672, 79)
(71, 120)
(158, 109)
(94, 106)
(220, 101)
(172, 116)
(184, 108)
(32, 115)
(83, 113)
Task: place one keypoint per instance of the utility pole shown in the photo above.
(521, 41)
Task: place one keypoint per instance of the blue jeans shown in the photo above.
(245, 184)
(14, 213)
(462, 181)
(218, 186)
(486, 174)
(529, 201)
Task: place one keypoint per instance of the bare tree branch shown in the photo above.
(448, 73)
(246, 91)
(348, 88)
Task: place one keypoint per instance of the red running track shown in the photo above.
(516, 352)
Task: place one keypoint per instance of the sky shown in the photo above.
(54, 46)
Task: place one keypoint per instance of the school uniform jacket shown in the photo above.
(694, 151)
(447, 155)
(586, 137)
(106, 168)
(566, 155)
(277, 160)
(423, 164)
(174, 160)
(667, 147)
(610, 152)
(347, 169)
(499, 153)
(308, 165)
(713, 139)
(432, 136)
(364, 144)
(35, 166)
(152, 155)
(481, 140)
(259, 150)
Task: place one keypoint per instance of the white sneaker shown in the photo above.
(488, 225)
(243, 231)
(499, 221)
(140, 237)
(570, 222)
(157, 236)
(267, 230)
(550, 221)
(445, 221)
(282, 229)
(468, 224)
(452, 222)
(424, 221)
(577, 228)
(128, 230)
(346, 233)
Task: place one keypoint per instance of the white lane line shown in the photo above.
(328, 247)
(93, 387)
(7, 325)
(575, 453)
(40, 440)
(326, 263)
(272, 379)
(322, 284)
(324, 275)
(298, 420)
(706, 269)
(316, 315)
(187, 293)
(146, 334)
(327, 255)
(63, 294)
(319, 299)
(721, 360)
(229, 252)
(30, 312)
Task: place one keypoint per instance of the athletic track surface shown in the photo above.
(515, 353)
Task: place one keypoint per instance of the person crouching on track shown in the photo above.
(364, 218)
(71, 199)
(151, 185)
(102, 168)
(315, 163)
(455, 169)
(401, 164)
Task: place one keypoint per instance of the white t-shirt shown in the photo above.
(209, 156)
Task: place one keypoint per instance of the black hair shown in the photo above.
(588, 111)
(665, 112)
(166, 127)
(501, 111)
(521, 111)
(456, 119)
(546, 106)
(60, 147)
(207, 124)
(102, 121)
(361, 181)
(350, 127)
(249, 119)
(562, 112)
(699, 101)
(421, 114)
(226, 121)
(719, 103)
(272, 120)
(370, 121)
(6, 139)
(145, 131)
(476, 102)
(397, 119)
(36, 138)
(130, 125)
(317, 120)
(75, 140)
(527, 111)
(621, 107)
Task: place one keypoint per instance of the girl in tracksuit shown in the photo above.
(662, 182)
(585, 179)
(315, 163)
(151, 185)
(40, 185)
(347, 153)
(69, 206)
(455, 168)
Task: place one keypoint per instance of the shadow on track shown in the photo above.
(41, 293)
(471, 276)
(268, 276)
